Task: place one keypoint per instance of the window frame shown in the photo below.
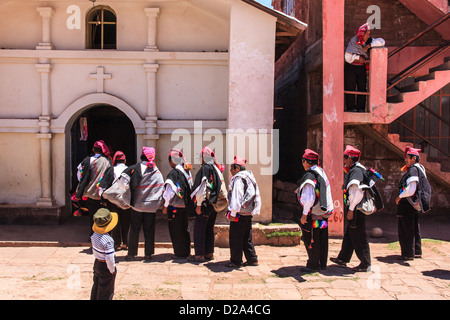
(90, 23)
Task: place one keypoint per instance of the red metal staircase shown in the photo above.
(387, 103)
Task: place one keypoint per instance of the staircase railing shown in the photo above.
(427, 109)
(421, 137)
(417, 65)
(408, 71)
(425, 59)
(420, 34)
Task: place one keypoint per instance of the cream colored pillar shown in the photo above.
(44, 136)
(152, 16)
(46, 198)
(46, 14)
(151, 137)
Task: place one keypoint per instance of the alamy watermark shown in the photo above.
(258, 146)
(374, 20)
(74, 277)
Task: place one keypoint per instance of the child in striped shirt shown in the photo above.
(103, 250)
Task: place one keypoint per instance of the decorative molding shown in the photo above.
(46, 13)
(99, 56)
(152, 29)
(100, 76)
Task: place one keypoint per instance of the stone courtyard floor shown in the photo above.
(65, 273)
(55, 263)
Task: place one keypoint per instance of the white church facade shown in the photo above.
(134, 73)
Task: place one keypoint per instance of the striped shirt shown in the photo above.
(103, 249)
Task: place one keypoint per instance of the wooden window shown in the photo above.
(101, 28)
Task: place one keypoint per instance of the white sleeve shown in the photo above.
(200, 192)
(409, 190)
(377, 42)
(307, 198)
(109, 257)
(168, 195)
(355, 196)
(351, 57)
(236, 197)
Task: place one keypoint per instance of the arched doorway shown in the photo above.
(102, 122)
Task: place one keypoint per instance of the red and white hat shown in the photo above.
(102, 145)
(310, 155)
(119, 155)
(412, 151)
(361, 32)
(352, 151)
(239, 161)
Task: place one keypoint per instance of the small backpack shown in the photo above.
(424, 190)
(222, 197)
(372, 200)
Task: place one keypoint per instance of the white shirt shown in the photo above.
(352, 57)
(237, 193)
(409, 190)
(103, 249)
(307, 198)
(355, 195)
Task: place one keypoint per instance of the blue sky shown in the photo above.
(267, 3)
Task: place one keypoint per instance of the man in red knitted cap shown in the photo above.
(244, 202)
(314, 189)
(355, 238)
(90, 172)
(178, 205)
(112, 174)
(409, 206)
(209, 194)
(146, 184)
(356, 56)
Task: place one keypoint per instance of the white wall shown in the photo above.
(215, 62)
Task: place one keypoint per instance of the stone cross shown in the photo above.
(100, 76)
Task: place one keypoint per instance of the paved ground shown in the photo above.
(64, 271)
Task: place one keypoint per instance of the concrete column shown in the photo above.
(44, 69)
(46, 14)
(377, 82)
(333, 106)
(45, 136)
(152, 16)
(46, 198)
(151, 136)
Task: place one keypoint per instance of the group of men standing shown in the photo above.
(315, 199)
(182, 196)
(116, 218)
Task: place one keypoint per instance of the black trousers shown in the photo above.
(355, 79)
(241, 241)
(120, 232)
(103, 286)
(355, 239)
(204, 230)
(409, 230)
(179, 231)
(146, 220)
(316, 244)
